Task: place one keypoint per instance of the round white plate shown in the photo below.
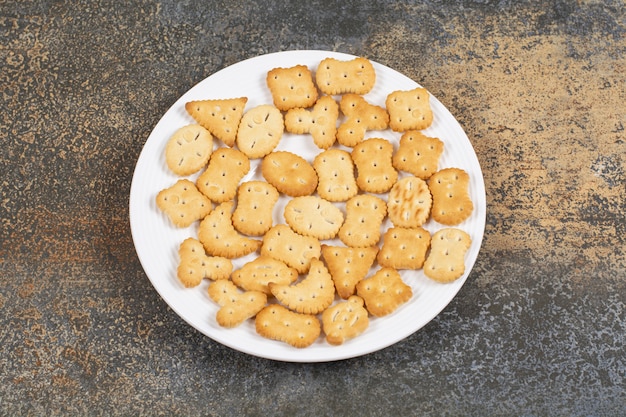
(157, 241)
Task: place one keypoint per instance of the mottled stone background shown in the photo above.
(539, 327)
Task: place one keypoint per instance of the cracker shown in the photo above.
(409, 110)
(446, 260)
(220, 238)
(256, 274)
(375, 172)
(195, 265)
(361, 117)
(312, 295)
(260, 131)
(418, 154)
(183, 203)
(236, 306)
(404, 248)
(345, 320)
(409, 202)
(292, 87)
(285, 245)
(335, 172)
(364, 217)
(356, 76)
(451, 200)
(220, 116)
(320, 122)
(253, 214)
(313, 216)
(220, 179)
(384, 292)
(348, 266)
(289, 173)
(276, 322)
(188, 149)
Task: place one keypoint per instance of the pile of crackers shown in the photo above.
(301, 282)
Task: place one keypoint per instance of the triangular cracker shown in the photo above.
(221, 117)
(348, 266)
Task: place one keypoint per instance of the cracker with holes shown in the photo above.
(220, 179)
(220, 238)
(183, 203)
(313, 216)
(195, 265)
(320, 122)
(348, 266)
(255, 204)
(409, 202)
(276, 322)
(452, 203)
(283, 244)
(258, 273)
(219, 116)
(292, 87)
(236, 306)
(418, 154)
(375, 172)
(404, 248)
(364, 217)
(335, 172)
(311, 295)
(384, 292)
(409, 110)
(345, 320)
(289, 173)
(188, 149)
(360, 117)
(446, 260)
(335, 76)
(260, 131)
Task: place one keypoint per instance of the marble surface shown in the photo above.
(537, 330)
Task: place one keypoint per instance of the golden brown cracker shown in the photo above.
(313, 216)
(345, 320)
(451, 200)
(409, 202)
(253, 214)
(364, 217)
(311, 295)
(409, 109)
(335, 172)
(360, 117)
(260, 131)
(384, 292)
(194, 264)
(220, 179)
(258, 273)
(375, 172)
(335, 76)
(289, 173)
(320, 122)
(236, 306)
(292, 87)
(418, 154)
(348, 266)
(183, 203)
(219, 116)
(404, 248)
(188, 149)
(276, 322)
(220, 238)
(446, 260)
(285, 245)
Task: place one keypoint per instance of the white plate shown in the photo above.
(156, 241)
